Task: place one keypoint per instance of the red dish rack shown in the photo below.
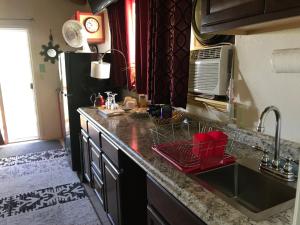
(193, 147)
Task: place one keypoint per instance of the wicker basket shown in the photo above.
(177, 117)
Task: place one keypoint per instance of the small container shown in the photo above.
(220, 140)
(202, 144)
(143, 101)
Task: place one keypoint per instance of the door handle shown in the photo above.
(31, 86)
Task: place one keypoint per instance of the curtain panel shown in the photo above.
(141, 50)
(117, 23)
(169, 31)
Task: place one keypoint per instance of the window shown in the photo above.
(130, 30)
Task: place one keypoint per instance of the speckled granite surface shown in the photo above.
(133, 136)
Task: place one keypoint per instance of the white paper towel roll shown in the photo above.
(286, 60)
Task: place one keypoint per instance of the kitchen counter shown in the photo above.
(133, 137)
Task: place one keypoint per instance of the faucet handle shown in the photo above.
(265, 160)
(257, 148)
(288, 167)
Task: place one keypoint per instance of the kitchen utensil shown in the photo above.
(97, 100)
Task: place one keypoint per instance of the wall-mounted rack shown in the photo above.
(218, 105)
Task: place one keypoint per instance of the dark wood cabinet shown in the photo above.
(160, 200)
(96, 160)
(248, 16)
(220, 11)
(153, 218)
(86, 156)
(279, 5)
(98, 187)
(117, 184)
(112, 189)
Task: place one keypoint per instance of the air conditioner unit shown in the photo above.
(210, 70)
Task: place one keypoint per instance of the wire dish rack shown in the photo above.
(194, 146)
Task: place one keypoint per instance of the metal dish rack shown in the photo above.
(174, 142)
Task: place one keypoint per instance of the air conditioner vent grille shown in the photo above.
(208, 53)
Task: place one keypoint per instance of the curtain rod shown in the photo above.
(18, 19)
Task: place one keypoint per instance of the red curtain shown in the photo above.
(141, 50)
(130, 36)
(116, 15)
(169, 30)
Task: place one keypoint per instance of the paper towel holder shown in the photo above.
(286, 60)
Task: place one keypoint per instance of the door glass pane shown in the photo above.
(16, 80)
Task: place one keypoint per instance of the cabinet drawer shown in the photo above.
(168, 206)
(110, 149)
(96, 158)
(94, 133)
(83, 123)
(98, 186)
(153, 218)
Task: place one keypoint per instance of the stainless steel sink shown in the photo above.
(255, 194)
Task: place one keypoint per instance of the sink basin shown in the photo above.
(255, 194)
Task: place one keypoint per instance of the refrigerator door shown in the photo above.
(76, 88)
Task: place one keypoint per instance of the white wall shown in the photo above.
(47, 14)
(257, 86)
(107, 44)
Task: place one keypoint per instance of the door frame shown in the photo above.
(27, 26)
(5, 135)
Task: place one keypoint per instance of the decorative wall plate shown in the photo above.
(50, 51)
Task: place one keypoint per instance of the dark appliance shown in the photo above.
(76, 89)
(98, 5)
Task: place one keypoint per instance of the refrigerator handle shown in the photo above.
(68, 95)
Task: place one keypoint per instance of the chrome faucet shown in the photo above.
(284, 172)
(260, 128)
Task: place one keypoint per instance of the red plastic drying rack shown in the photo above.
(180, 154)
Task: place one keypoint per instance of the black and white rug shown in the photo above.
(41, 189)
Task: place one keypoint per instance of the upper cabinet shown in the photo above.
(221, 11)
(248, 16)
(278, 5)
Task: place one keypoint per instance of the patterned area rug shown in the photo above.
(41, 189)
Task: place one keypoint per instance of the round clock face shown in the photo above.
(91, 25)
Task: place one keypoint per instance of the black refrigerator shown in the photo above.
(76, 88)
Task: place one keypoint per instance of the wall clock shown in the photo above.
(94, 25)
(91, 24)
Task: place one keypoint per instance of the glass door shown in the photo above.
(16, 80)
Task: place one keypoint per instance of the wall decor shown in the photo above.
(50, 51)
(93, 24)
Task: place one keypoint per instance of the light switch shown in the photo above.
(42, 68)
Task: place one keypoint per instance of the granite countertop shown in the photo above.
(132, 134)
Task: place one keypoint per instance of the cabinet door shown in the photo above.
(153, 218)
(86, 156)
(167, 206)
(112, 191)
(221, 11)
(279, 5)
